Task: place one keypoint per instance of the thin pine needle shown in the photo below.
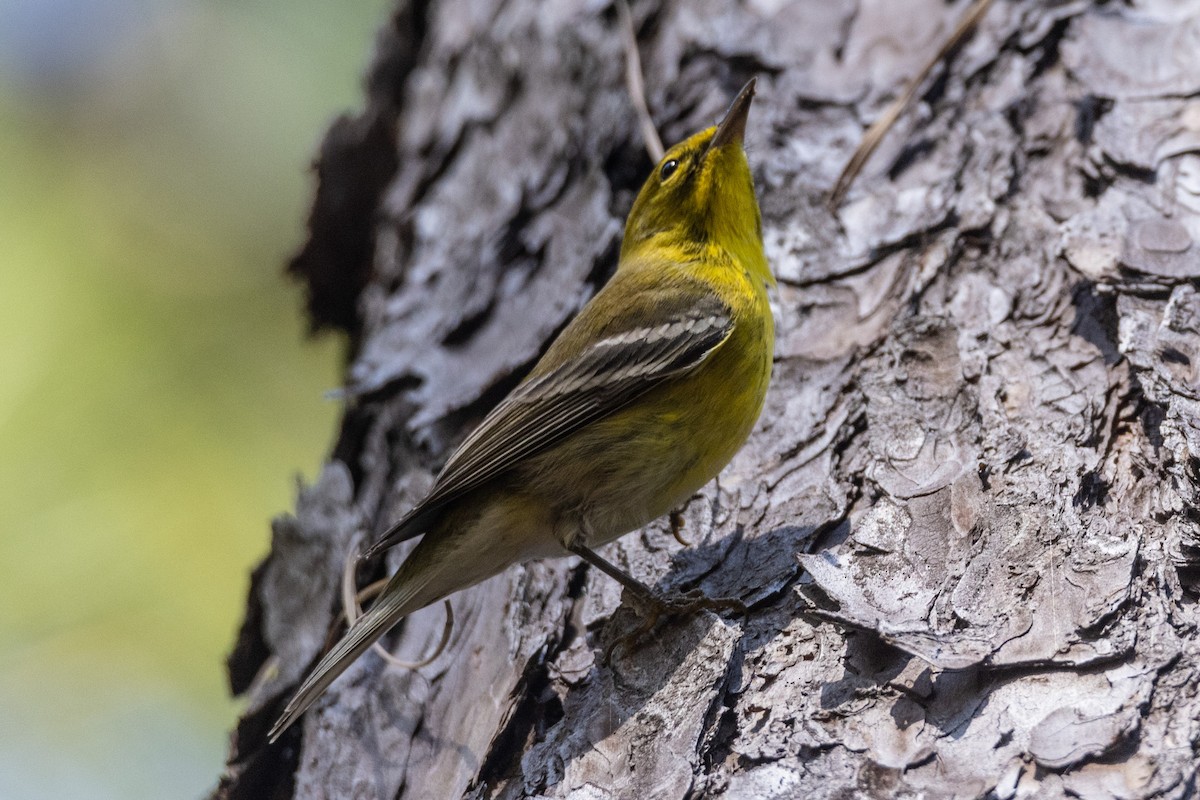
(874, 134)
(352, 610)
(636, 85)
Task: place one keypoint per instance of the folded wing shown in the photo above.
(659, 336)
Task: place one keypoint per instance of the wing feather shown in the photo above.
(554, 403)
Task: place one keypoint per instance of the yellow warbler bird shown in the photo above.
(640, 401)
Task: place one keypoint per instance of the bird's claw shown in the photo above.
(677, 523)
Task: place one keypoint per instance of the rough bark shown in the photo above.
(965, 526)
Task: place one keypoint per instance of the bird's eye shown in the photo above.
(668, 169)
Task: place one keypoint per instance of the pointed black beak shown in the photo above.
(733, 127)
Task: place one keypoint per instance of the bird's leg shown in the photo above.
(644, 593)
(655, 607)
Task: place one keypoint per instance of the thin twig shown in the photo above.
(635, 84)
(887, 119)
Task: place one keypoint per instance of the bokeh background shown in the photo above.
(158, 396)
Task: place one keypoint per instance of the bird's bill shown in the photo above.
(733, 127)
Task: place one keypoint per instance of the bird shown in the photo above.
(638, 403)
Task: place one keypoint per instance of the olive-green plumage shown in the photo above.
(640, 401)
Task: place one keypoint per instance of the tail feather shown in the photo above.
(410, 526)
(397, 601)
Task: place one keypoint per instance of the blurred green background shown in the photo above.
(157, 394)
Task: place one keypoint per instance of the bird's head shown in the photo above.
(701, 193)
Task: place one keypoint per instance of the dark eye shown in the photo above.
(668, 169)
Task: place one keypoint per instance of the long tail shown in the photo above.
(404, 595)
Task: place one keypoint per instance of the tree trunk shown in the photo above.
(966, 524)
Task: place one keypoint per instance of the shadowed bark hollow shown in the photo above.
(965, 525)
